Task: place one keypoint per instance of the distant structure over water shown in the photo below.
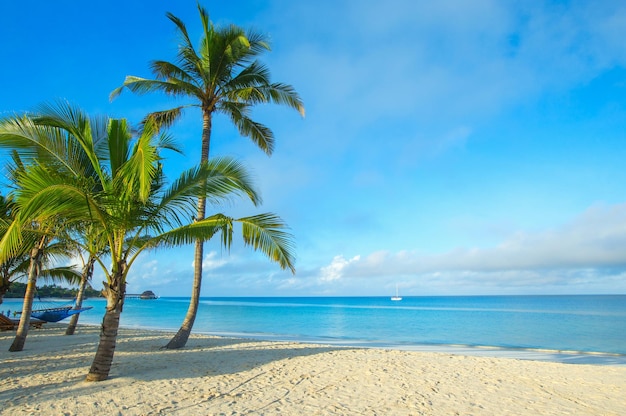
(146, 295)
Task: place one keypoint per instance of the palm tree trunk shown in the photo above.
(115, 291)
(5, 284)
(87, 273)
(180, 339)
(33, 272)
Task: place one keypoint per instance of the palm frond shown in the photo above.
(260, 135)
(79, 133)
(165, 118)
(135, 176)
(143, 86)
(34, 142)
(43, 195)
(200, 230)
(218, 180)
(167, 71)
(11, 243)
(286, 95)
(252, 85)
(65, 274)
(259, 42)
(119, 144)
(253, 75)
(266, 233)
(182, 31)
(228, 176)
(20, 270)
(165, 141)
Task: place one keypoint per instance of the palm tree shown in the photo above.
(222, 76)
(97, 248)
(38, 243)
(86, 274)
(16, 266)
(49, 244)
(126, 200)
(36, 256)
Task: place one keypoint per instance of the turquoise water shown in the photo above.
(578, 328)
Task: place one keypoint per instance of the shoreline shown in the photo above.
(216, 375)
(531, 354)
(551, 331)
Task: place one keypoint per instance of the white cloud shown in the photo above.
(589, 249)
(586, 255)
(212, 260)
(334, 270)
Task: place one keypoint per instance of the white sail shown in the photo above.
(397, 297)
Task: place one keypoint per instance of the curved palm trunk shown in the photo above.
(87, 273)
(33, 272)
(180, 339)
(115, 292)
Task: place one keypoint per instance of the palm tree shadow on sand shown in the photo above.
(139, 356)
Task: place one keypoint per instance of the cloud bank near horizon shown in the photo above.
(585, 255)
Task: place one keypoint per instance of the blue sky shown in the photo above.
(463, 147)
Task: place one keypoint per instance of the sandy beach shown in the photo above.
(222, 376)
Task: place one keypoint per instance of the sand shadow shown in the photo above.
(139, 357)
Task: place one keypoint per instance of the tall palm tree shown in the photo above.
(222, 75)
(126, 200)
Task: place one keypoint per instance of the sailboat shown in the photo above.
(397, 297)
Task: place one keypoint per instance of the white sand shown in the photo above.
(232, 377)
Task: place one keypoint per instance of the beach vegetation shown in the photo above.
(222, 75)
(15, 267)
(50, 239)
(31, 246)
(18, 289)
(89, 237)
(95, 171)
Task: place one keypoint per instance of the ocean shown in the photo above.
(573, 329)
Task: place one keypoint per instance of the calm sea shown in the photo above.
(576, 329)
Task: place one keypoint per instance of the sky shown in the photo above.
(449, 148)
